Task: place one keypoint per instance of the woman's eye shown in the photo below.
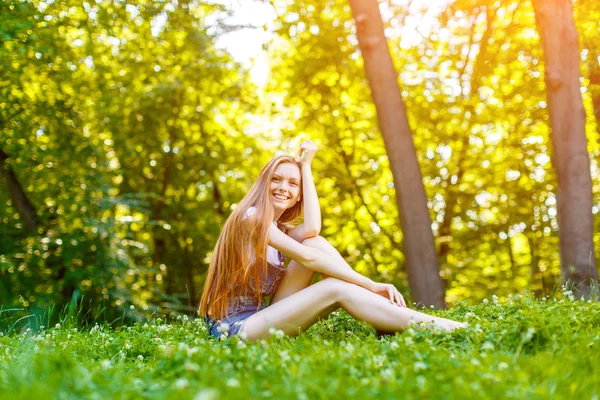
(275, 179)
(293, 184)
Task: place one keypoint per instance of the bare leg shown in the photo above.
(298, 277)
(300, 310)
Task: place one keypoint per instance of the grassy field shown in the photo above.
(518, 348)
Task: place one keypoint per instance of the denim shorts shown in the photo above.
(243, 307)
(234, 323)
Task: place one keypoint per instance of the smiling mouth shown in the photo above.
(281, 197)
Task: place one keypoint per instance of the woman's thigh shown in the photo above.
(298, 277)
(298, 311)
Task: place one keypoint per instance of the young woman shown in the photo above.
(248, 265)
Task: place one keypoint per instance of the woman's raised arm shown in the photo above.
(312, 210)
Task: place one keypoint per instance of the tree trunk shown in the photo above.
(18, 196)
(424, 279)
(570, 159)
(537, 280)
(158, 232)
(191, 289)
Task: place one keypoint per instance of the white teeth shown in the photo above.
(280, 197)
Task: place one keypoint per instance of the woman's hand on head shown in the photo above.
(307, 151)
(389, 291)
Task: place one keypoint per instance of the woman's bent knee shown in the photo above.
(335, 289)
(313, 241)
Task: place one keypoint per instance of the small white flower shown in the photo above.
(191, 351)
(127, 346)
(394, 345)
(487, 346)
(495, 299)
(105, 364)
(350, 348)
(207, 394)
(167, 350)
(57, 326)
(485, 301)
(502, 365)
(181, 383)
(278, 333)
(387, 374)
(140, 357)
(419, 365)
(132, 307)
(190, 366)
(232, 382)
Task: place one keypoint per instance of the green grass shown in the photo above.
(520, 348)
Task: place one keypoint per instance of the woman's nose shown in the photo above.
(283, 185)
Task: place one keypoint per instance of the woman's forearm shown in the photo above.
(312, 210)
(319, 261)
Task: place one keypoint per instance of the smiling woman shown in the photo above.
(285, 186)
(248, 265)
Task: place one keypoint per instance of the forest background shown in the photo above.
(127, 136)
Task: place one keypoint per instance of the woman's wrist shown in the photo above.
(368, 283)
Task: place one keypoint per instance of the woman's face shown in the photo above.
(285, 186)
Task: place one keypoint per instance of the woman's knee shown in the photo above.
(335, 288)
(314, 241)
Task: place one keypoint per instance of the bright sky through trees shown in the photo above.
(246, 44)
(256, 17)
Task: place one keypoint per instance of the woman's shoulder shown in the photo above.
(249, 212)
(284, 227)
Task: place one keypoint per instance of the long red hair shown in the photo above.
(240, 252)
